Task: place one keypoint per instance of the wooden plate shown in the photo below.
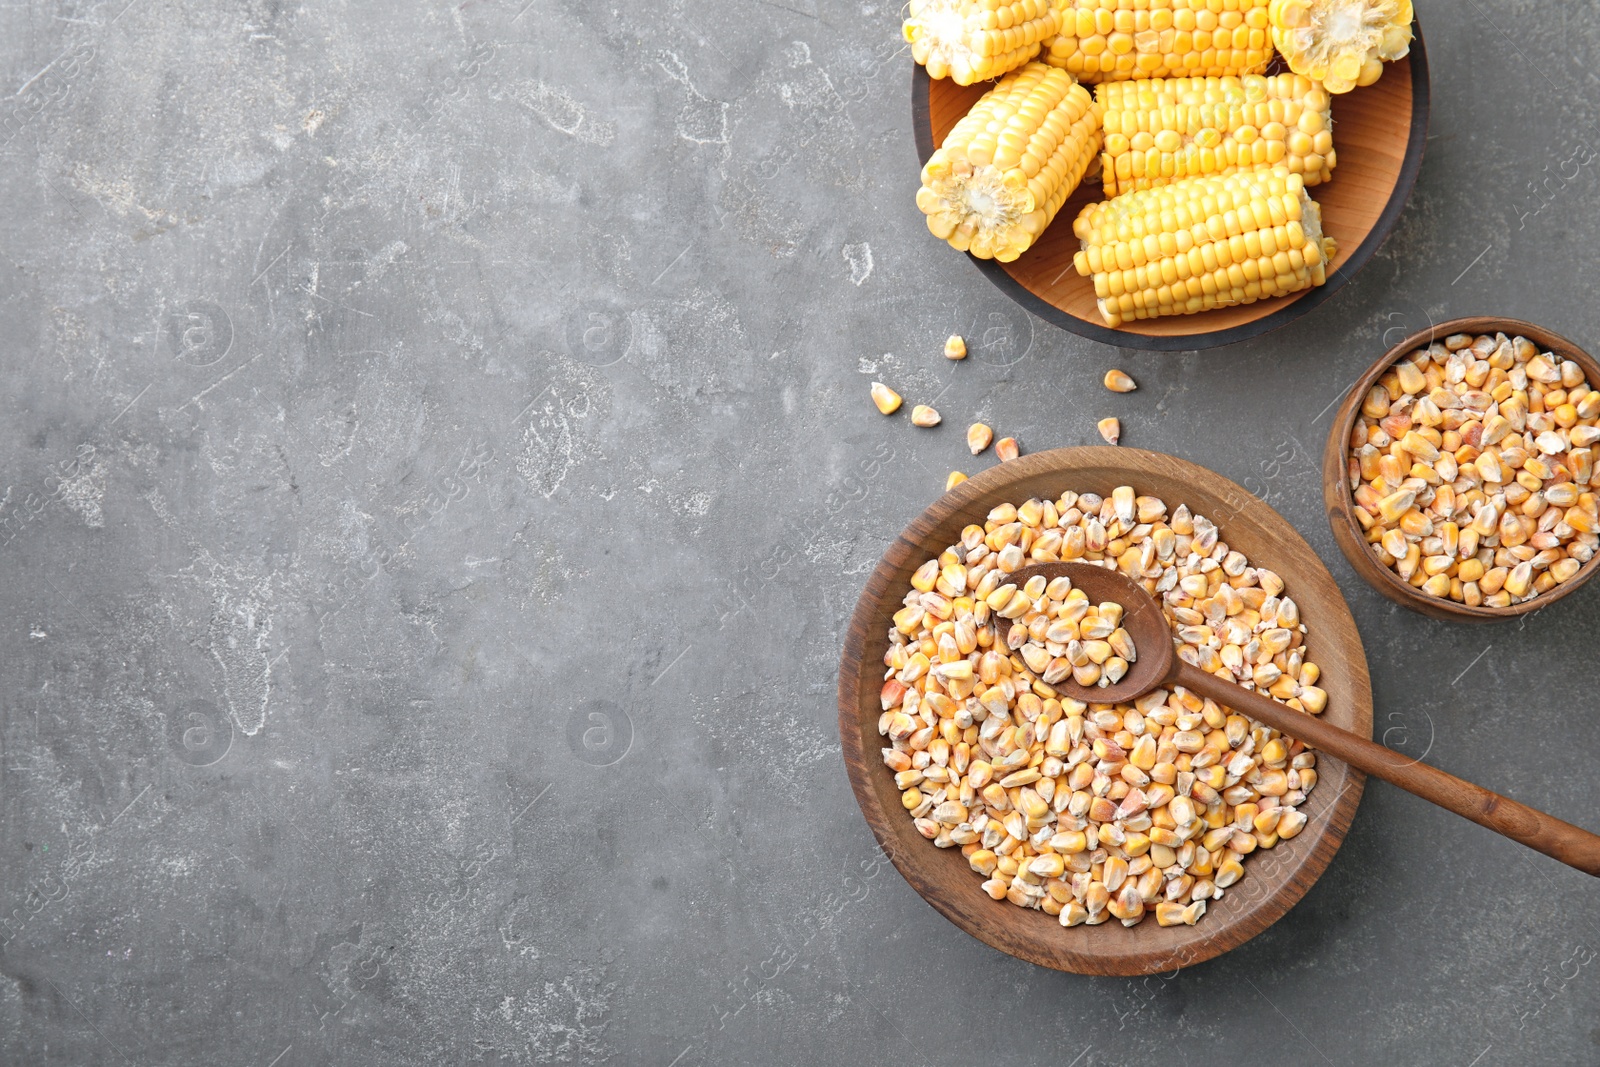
(1274, 880)
(1379, 131)
(1341, 504)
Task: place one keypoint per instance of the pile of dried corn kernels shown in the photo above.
(1472, 468)
(1095, 811)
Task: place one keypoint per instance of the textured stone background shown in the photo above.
(436, 466)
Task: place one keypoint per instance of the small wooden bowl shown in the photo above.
(1341, 504)
(1274, 880)
(1379, 131)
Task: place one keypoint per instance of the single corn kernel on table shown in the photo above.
(438, 463)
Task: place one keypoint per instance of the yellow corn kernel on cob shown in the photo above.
(1007, 167)
(1202, 243)
(1341, 43)
(1115, 40)
(975, 40)
(1163, 129)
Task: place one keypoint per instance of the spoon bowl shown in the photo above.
(1141, 617)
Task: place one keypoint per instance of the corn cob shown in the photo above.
(1008, 166)
(1341, 43)
(975, 40)
(1202, 243)
(1161, 130)
(1115, 40)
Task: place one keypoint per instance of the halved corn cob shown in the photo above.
(1163, 129)
(1202, 243)
(975, 40)
(1114, 40)
(1007, 167)
(1341, 43)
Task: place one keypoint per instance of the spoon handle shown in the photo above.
(1561, 840)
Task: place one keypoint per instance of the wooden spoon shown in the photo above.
(1157, 666)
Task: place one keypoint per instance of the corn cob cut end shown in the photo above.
(1116, 40)
(978, 209)
(1341, 43)
(1005, 169)
(970, 41)
(1202, 243)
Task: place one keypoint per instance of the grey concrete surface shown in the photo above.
(435, 470)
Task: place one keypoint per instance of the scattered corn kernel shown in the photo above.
(955, 479)
(887, 399)
(1110, 429)
(978, 437)
(923, 415)
(1118, 382)
(955, 347)
(1006, 448)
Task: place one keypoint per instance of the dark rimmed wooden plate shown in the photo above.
(1380, 131)
(1274, 880)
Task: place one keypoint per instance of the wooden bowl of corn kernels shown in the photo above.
(1497, 538)
(1274, 878)
(1380, 132)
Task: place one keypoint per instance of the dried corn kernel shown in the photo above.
(887, 399)
(1118, 382)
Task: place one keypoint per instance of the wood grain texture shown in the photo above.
(1380, 132)
(1336, 494)
(1273, 880)
(1545, 833)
